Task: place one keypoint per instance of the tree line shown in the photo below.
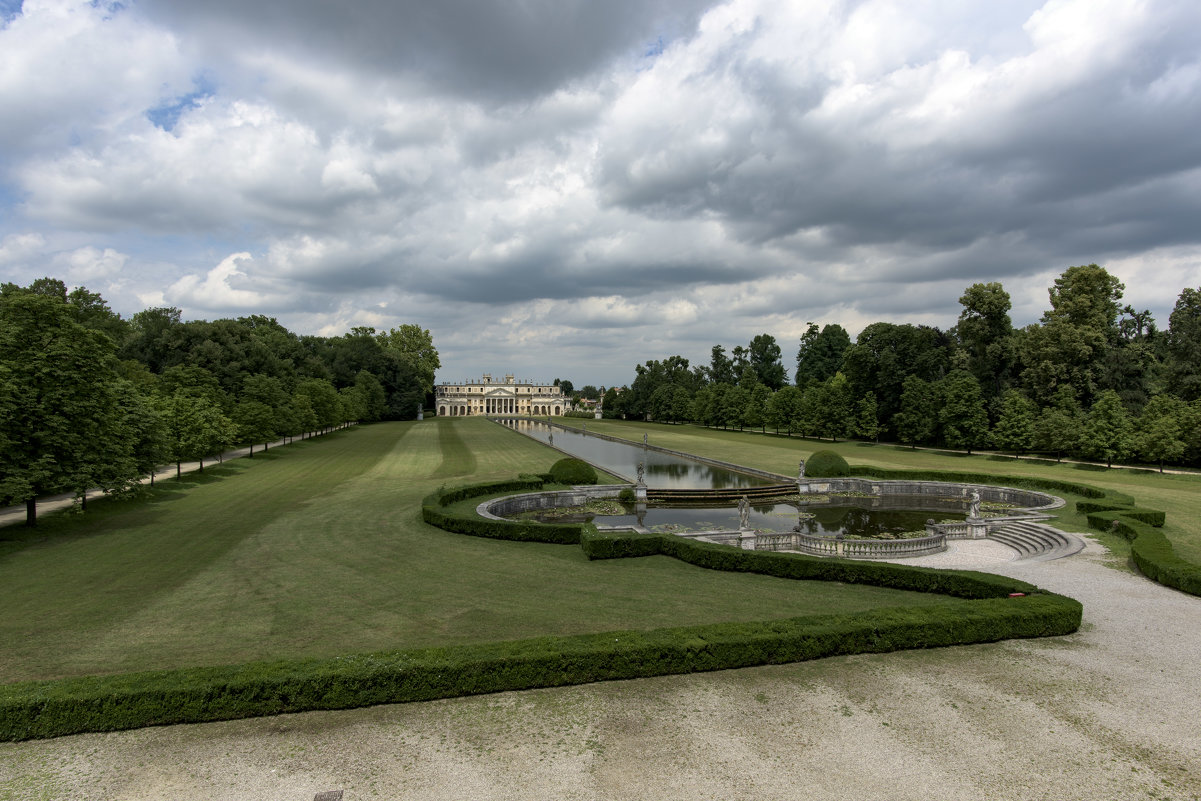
(89, 399)
(1094, 378)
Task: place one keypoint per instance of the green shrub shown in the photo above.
(572, 472)
(827, 464)
(627, 496)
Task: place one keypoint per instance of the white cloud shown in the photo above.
(775, 163)
(18, 248)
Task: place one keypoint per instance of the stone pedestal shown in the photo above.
(746, 540)
(978, 527)
(640, 493)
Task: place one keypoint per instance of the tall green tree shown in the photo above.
(783, 410)
(884, 354)
(835, 413)
(917, 420)
(720, 369)
(414, 346)
(1014, 430)
(58, 391)
(821, 353)
(985, 332)
(867, 422)
(1159, 432)
(756, 412)
(1058, 428)
(765, 357)
(962, 417)
(1183, 346)
(1106, 433)
(1075, 337)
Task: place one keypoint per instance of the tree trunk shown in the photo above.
(252, 450)
(201, 465)
(178, 472)
(83, 501)
(31, 512)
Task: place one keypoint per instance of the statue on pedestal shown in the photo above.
(973, 506)
(641, 471)
(744, 513)
(800, 470)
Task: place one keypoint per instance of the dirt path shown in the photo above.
(1110, 712)
(15, 515)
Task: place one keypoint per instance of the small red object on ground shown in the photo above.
(1017, 595)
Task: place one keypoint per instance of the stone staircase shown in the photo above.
(1037, 542)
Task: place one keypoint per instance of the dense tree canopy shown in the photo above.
(1093, 379)
(88, 399)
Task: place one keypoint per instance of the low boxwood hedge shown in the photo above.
(107, 703)
(435, 510)
(1151, 550)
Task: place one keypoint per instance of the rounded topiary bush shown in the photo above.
(572, 471)
(827, 464)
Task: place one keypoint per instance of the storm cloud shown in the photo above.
(569, 188)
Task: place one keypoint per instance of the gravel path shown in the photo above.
(1111, 712)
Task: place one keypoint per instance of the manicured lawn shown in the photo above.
(1178, 495)
(318, 549)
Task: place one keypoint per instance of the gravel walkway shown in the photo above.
(1111, 712)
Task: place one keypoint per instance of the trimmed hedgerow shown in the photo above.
(963, 477)
(107, 703)
(827, 464)
(620, 544)
(526, 483)
(435, 511)
(1152, 551)
(1087, 507)
(572, 472)
(1153, 517)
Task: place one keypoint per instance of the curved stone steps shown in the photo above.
(1037, 541)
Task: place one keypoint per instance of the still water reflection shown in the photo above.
(839, 516)
(663, 471)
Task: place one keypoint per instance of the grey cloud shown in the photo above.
(486, 49)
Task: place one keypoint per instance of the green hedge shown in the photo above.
(1151, 550)
(525, 483)
(108, 703)
(963, 477)
(620, 544)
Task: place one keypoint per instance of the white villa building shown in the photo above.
(494, 397)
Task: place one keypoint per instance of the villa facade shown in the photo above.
(488, 397)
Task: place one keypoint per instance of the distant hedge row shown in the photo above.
(964, 477)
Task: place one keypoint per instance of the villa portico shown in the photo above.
(488, 397)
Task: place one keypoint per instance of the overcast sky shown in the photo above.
(565, 188)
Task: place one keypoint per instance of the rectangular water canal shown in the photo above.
(663, 470)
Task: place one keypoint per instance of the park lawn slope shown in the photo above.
(318, 550)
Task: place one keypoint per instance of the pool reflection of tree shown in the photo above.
(850, 521)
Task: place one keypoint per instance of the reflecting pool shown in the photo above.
(663, 470)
